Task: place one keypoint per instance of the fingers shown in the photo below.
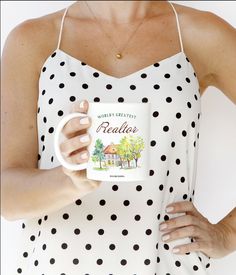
(74, 147)
(80, 106)
(75, 132)
(182, 207)
(191, 224)
(77, 124)
(188, 231)
(194, 246)
(79, 157)
(181, 221)
(70, 145)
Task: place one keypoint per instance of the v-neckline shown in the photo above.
(169, 58)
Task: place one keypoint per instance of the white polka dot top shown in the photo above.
(114, 230)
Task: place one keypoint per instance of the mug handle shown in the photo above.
(61, 124)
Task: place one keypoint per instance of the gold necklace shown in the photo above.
(119, 53)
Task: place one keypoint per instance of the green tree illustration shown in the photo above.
(120, 153)
(124, 152)
(98, 154)
(136, 147)
(95, 158)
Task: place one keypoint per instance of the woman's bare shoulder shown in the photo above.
(194, 17)
(206, 36)
(36, 36)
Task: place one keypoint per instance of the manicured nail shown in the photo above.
(163, 226)
(175, 250)
(84, 138)
(165, 238)
(84, 156)
(82, 104)
(169, 209)
(84, 120)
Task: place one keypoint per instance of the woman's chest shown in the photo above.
(171, 87)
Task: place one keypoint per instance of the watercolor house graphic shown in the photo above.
(111, 156)
(124, 155)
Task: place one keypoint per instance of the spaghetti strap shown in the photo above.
(178, 26)
(61, 28)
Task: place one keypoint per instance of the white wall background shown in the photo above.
(216, 177)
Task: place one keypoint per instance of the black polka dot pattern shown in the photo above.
(97, 233)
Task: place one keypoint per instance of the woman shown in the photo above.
(105, 51)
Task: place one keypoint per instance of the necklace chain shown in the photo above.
(119, 54)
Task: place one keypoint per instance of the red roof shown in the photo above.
(111, 149)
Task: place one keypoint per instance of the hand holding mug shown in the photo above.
(74, 147)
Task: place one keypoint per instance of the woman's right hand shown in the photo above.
(74, 148)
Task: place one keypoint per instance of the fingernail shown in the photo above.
(84, 156)
(84, 138)
(165, 238)
(82, 104)
(169, 209)
(84, 120)
(163, 226)
(175, 250)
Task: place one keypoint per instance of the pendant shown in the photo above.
(118, 55)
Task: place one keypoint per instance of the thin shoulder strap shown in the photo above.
(177, 22)
(61, 28)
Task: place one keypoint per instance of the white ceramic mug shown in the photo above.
(119, 149)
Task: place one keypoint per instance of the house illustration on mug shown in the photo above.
(111, 156)
(124, 155)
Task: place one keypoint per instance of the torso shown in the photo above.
(156, 40)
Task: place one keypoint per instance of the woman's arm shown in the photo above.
(222, 64)
(220, 54)
(215, 41)
(27, 191)
(229, 223)
(30, 192)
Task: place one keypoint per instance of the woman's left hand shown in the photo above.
(210, 239)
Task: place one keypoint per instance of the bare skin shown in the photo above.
(209, 42)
